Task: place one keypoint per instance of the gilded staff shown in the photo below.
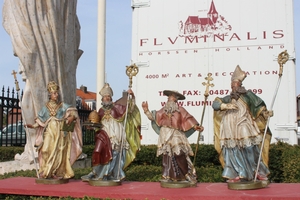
(27, 131)
(283, 57)
(131, 71)
(206, 94)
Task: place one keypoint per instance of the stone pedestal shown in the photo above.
(18, 165)
(82, 163)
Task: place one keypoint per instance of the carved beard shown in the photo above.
(171, 107)
(237, 93)
(107, 105)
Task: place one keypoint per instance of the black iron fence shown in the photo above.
(12, 131)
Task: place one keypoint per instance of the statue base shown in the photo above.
(177, 184)
(248, 185)
(51, 181)
(102, 183)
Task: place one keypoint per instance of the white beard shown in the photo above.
(171, 107)
(107, 104)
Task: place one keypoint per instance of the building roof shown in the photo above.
(86, 95)
(192, 20)
(205, 21)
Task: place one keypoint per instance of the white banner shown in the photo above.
(180, 42)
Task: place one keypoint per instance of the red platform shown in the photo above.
(147, 190)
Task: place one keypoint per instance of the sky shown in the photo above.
(118, 46)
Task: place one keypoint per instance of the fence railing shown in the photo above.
(12, 131)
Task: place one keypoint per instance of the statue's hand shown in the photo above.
(70, 119)
(145, 106)
(130, 92)
(31, 126)
(228, 106)
(28, 126)
(268, 113)
(199, 128)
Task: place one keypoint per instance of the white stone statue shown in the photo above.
(45, 35)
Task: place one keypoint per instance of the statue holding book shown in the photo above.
(58, 137)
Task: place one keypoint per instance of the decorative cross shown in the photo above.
(14, 74)
(16, 81)
(208, 84)
(206, 94)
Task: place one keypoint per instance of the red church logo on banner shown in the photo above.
(213, 24)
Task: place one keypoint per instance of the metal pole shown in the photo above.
(101, 39)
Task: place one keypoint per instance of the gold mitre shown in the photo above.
(94, 117)
(238, 74)
(106, 90)
(52, 87)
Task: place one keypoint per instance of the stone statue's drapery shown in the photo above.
(45, 35)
